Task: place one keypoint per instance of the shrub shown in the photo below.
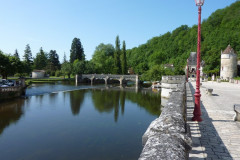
(58, 73)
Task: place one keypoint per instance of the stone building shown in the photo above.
(192, 66)
(229, 62)
(38, 74)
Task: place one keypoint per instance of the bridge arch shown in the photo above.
(107, 77)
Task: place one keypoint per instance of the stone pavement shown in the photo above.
(217, 136)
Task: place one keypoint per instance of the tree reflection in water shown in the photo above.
(10, 112)
(104, 101)
(108, 100)
(76, 100)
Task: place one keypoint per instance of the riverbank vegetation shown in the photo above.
(148, 60)
(219, 30)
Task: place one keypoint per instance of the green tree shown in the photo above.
(53, 60)
(89, 67)
(117, 54)
(66, 69)
(123, 59)
(4, 64)
(78, 67)
(28, 59)
(16, 54)
(103, 58)
(219, 30)
(40, 62)
(64, 58)
(9, 65)
(76, 51)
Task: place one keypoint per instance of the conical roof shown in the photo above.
(228, 50)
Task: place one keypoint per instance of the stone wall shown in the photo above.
(167, 136)
(170, 84)
(10, 92)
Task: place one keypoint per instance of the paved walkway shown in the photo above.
(217, 136)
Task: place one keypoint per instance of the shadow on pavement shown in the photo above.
(207, 144)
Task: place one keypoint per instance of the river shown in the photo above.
(64, 121)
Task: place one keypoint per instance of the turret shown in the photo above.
(228, 68)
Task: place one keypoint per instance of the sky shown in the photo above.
(52, 24)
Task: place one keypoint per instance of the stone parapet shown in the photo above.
(167, 136)
(170, 84)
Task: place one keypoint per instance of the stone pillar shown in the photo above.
(121, 80)
(92, 78)
(106, 80)
(137, 81)
(76, 79)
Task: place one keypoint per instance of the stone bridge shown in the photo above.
(107, 77)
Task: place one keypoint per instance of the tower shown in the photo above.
(228, 68)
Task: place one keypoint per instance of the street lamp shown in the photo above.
(197, 109)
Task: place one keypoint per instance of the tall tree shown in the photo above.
(64, 58)
(103, 58)
(28, 55)
(40, 62)
(53, 60)
(28, 59)
(76, 51)
(123, 59)
(117, 53)
(16, 54)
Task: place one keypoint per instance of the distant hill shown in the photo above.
(219, 30)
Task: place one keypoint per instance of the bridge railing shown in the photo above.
(109, 76)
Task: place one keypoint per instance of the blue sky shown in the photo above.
(52, 24)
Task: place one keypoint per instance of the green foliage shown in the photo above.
(58, 73)
(124, 59)
(89, 67)
(237, 78)
(53, 61)
(40, 62)
(66, 69)
(76, 51)
(28, 59)
(102, 58)
(78, 67)
(16, 54)
(64, 58)
(9, 65)
(156, 72)
(219, 30)
(117, 54)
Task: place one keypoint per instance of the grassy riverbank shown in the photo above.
(48, 80)
(43, 80)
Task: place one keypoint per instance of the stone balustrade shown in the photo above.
(167, 137)
(106, 77)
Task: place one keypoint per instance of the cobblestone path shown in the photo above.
(217, 136)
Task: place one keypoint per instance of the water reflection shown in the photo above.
(76, 100)
(108, 100)
(10, 113)
(74, 124)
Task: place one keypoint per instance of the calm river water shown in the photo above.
(63, 121)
